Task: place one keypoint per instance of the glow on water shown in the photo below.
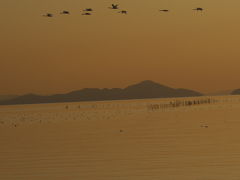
(121, 140)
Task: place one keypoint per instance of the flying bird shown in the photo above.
(198, 9)
(65, 12)
(114, 6)
(164, 10)
(86, 14)
(48, 15)
(123, 12)
(88, 9)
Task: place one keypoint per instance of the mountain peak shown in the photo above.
(146, 84)
(147, 81)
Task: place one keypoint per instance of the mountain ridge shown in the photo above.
(235, 92)
(143, 90)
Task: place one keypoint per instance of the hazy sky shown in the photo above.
(181, 48)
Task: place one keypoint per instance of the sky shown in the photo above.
(180, 49)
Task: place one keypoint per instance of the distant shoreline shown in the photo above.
(143, 90)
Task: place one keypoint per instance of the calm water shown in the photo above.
(120, 140)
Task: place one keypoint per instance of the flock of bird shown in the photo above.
(88, 11)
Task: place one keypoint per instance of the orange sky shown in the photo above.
(181, 48)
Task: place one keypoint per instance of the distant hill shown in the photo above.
(142, 90)
(7, 97)
(220, 93)
(236, 92)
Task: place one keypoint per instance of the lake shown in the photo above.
(148, 139)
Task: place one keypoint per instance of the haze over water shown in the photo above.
(181, 48)
(121, 140)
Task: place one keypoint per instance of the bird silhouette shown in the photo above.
(65, 12)
(123, 12)
(114, 6)
(164, 10)
(48, 15)
(86, 14)
(88, 9)
(198, 9)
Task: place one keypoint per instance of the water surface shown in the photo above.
(121, 140)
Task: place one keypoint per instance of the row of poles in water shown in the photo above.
(149, 106)
(180, 103)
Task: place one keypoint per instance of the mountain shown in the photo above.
(236, 92)
(7, 97)
(142, 90)
(220, 93)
